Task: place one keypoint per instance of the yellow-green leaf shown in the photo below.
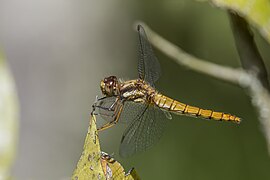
(256, 12)
(94, 164)
(114, 170)
(89, 166)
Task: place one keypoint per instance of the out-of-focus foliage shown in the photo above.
(257, 12)
(94, 164)
(8, 119)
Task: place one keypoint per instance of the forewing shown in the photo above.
(148, 65)
(144, 131)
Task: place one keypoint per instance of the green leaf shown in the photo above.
(94, 164)
(256, 12)
(89, 166)
(114, 170)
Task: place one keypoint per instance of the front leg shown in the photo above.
(117, 113)
(110, 108)
(115, 107)
(95, 104)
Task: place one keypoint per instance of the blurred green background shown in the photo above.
(60, 50)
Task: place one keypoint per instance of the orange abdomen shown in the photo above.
(177, 107)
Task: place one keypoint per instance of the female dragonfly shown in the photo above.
(139, 103)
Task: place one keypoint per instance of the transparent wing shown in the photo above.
(131, 110)
(144, 131)
(148, 65)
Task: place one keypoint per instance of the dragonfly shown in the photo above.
(142, 106)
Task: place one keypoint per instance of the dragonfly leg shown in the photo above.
(105, 108)
(113, 104)
(95, 104)
(111, 108)
(99, 99)
(106, 126)
(114, 121)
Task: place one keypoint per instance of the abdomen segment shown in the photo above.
(177, 107)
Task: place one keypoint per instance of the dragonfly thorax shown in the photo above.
(110, 86)
(136, 90)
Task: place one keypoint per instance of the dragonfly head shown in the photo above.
(109, 86)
